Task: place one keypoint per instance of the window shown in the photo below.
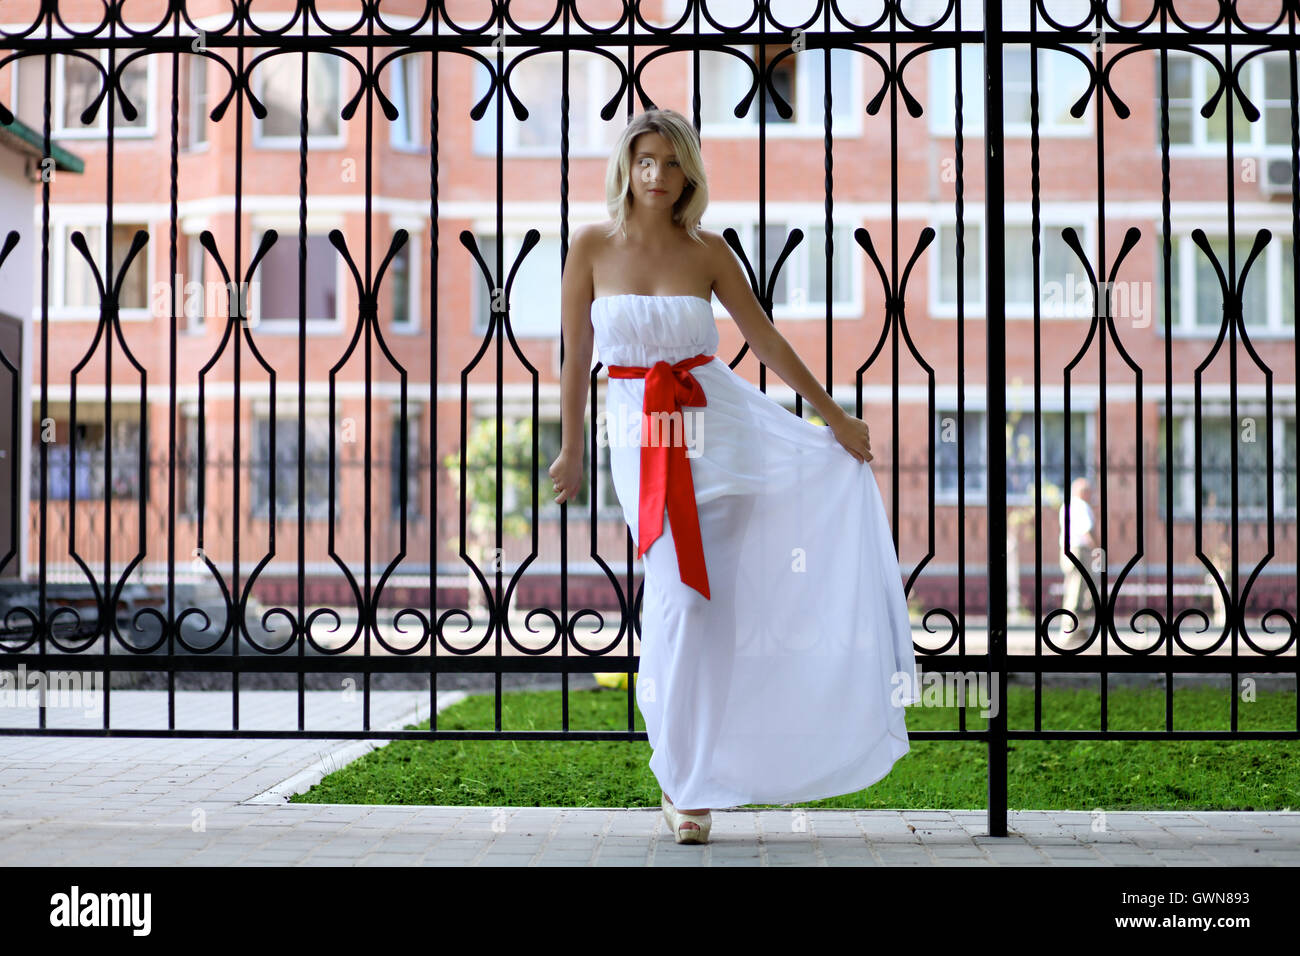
(27, 99)
(1275, 104)
(280, 90)
(400, 282)
(536, 290)
(125, 478)
(76, 84)
(946, 439)
(404, 75)
(414, 465)
(1062, 79)
(800, 288)
(1251, 437)
(549, 439)
(275, 303)
(76, 294)
(193, 118)
(1020, 452)
(943, 92)
(1289, 502)
(1015, 16)
(799, 78)
(1266, 81)
(972, 271)
(1064, 290)
(1181, 106)
(1196, 300)
(592, 80)
(315, 464)
(193, 285)
(187, 461)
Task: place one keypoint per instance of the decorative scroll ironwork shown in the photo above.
(966, 605)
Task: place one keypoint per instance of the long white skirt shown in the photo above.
(789, 683)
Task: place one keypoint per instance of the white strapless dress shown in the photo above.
(788, 683)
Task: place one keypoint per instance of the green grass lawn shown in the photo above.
(942, 774)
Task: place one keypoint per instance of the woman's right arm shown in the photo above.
(576, 291)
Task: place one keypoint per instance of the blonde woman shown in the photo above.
(776, 650)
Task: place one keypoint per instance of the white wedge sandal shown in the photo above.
(676, 820)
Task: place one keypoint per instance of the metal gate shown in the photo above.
(142, 517)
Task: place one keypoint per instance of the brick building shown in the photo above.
(894, 175)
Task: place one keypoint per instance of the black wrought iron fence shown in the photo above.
(1136, 161)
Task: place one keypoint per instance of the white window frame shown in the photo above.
(796, 267)
(187, 479)
(943, 117)
(405, 77)
(61, 228)
(597, 73)
(314, 141)
(1186, 258)
(1081, 405)
(416, 410)
(1183, 507)
(161, 301)
(191, 230)
(1050, 220)
(286, 412)
(414, 248)
(808, 115)
(1014, 17)
(93, 412)
(196, 116)
(514, 238)
(946, 496)
(287, 227)
(59, 120)
(1280, 453)
(1253, 77)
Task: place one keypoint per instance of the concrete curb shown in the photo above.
(304, 780)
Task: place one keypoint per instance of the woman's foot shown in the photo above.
(695, 813)
(685, 830)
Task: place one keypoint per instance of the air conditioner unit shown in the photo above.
(1277, 177)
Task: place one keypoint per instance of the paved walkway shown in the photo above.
(150, 801)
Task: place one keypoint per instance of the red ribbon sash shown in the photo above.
(665, 470)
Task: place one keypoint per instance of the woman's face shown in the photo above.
(657, 179)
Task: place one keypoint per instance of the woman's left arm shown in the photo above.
(776, 353)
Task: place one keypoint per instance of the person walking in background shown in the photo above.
(1077, 598)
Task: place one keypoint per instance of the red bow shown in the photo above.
(665, 470)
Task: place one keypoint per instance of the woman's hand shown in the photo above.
(854, 435)
(566, 475)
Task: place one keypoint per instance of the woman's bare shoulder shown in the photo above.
(596, 233)
(590, 241)
(587, 247)
(713, 241)
(716, 252)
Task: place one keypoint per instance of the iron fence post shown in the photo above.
(995, 454)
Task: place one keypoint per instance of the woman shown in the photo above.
(775, 631)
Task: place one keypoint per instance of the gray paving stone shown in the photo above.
(120, 801)
(504, 859)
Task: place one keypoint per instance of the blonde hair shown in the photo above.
(674, 127)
